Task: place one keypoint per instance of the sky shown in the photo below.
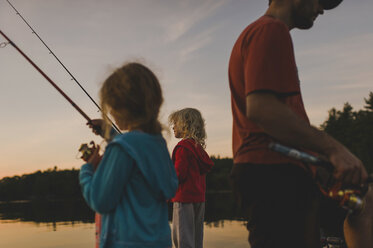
(187, 43)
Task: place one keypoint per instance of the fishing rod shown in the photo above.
(9, 41)
(59, 61)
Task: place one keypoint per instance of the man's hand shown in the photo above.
(348, 168)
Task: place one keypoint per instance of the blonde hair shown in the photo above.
(192, 124)
(133, 95)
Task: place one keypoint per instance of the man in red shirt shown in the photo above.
(278, 194)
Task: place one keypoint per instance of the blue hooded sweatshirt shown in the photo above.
(130, 189)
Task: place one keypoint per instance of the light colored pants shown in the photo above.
(187, 224)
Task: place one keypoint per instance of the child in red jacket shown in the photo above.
(191, 163)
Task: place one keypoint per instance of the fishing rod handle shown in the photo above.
(305, 157)
(299, 155)
(293, 153)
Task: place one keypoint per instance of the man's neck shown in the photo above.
(281, 11)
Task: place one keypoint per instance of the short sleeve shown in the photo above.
(269, 63)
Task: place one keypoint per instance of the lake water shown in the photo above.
(20, 234)
(69, 224)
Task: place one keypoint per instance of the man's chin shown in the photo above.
(304, 25)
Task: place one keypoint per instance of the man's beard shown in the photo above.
(301, 22)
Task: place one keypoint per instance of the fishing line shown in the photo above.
(59, 61)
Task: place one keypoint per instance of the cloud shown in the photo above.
(196, 43)
(190, 16)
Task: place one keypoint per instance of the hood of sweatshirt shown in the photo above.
(204, 161)
(153, 159)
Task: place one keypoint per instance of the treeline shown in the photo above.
(354, 129)
(50, 184)
(64, 184)
(217, 179)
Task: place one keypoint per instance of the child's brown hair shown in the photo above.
(191, 123)
(132, 95)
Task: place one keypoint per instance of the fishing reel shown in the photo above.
(349, 198)
(86, 150)
(352, 200)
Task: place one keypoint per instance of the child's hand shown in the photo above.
(90, 154)
(97, 126)
(95, 157)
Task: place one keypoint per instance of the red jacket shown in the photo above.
(191, 163)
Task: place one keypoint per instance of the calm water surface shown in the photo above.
(69, 224)
(19, 234)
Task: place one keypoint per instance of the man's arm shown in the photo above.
(280, 122)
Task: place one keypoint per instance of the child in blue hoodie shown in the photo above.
(129, 185)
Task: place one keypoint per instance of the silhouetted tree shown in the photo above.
(354, 129)
(218, 178)
(49, 184)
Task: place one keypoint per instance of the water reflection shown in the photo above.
(15, 234)
(219, 207)
(20, 234)
(60, 224)
(47, 211)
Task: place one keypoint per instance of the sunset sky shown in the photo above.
(187, 43)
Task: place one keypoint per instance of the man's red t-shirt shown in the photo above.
(262, 59)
